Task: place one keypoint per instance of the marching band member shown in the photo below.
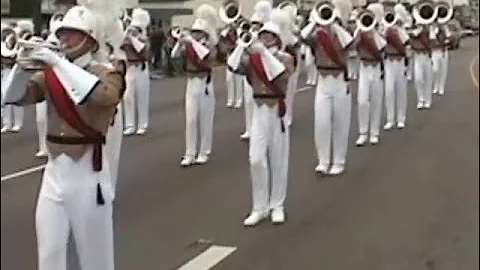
(81, 94)
(396, 64)
(293, 48)
(259, 17)
(138, 79)
(230, 14)
(199, 49)
(327, 34)
(370, 86)
(268, 68)
(118, 60)
(424, 14)
(8, 54)
(440, 46)
(13, 115)
(310, 66)
(353, 60)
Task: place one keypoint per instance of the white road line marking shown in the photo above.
(23, 172)
(209, 258)
(472, 72)
(303, 88)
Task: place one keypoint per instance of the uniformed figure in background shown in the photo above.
(198, 45)
(268, 68)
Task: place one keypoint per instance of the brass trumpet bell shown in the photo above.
(324, 13)
(390, 19)
(366, 21)
(444, 13)
(26, 47)
(230, 11)
(424, 12)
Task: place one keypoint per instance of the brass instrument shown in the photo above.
(366, 21)
(444, 12)
(230, 11)
(390, 18)
(245, 26)
(246, 38)
(177, 32)
(424, 12)
(324, 13)
(26, 47)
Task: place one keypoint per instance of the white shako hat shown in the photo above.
(206, 21)
(278, 25)
(262, 11)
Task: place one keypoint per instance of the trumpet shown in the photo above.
(246, 38)
(390, 18)
(444, 12)
(230, 11)
(366, 21)
(424, 12)
(245, 26)
(178, 33)
(26, 47)
(324, 13)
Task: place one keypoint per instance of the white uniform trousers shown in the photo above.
(395, 90)
(234, 88)
(290, 96)
(440, 70)
(423, 78)
(353, 65)
(113, 145)
(333, 105)
(269, 153)
(136, 98)
(249, 103)
(67, 200)
(369, 98)
(41, 118)
(13, 116)
(310, 66)
(199, 112)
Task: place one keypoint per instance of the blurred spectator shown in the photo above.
(157, 41)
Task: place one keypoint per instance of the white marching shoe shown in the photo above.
(141, 131)
(420, 105)
(129, 131)
(322, 168)
(187, 161)
(336, 170)
(245, 136)
(277, 216)
(16, 128)
(229, 104)
(388, 126)
(401, 125)
(238, 105)
(427, 106)
(5, 129)
(201, 159)
(362, 139)
(374, 139)
(41, 154)
(254, 218)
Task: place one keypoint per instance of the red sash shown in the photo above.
(67, 111)
(394, 40)
(368, 42)
(259, 69)
(293, 52)
(326, 41)
(423, 38)
(194, 59)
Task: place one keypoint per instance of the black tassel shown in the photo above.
(100, 200)
(282, 125)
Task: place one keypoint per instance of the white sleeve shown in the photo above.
(14, 85)
(307, 30)
(343, 35)
(379, 41)
(403, 35)
(177, 49)
(235, 57)
(201, 50)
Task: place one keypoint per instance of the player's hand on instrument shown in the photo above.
(257, 47)
(46, 56)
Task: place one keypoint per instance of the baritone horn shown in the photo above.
(444, 12)
(324, 13)
(177, 32)
(366, 21)
(246, 38)
(424, 12)
(390, 18)
(230, 11)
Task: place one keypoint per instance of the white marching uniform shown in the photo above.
(199, 95)
(235, 89)
(137, 95)
(440, 58)
(395, 78)
(311, 68)
(41, 119)
(332, 99)
(248, 107)
(76, 192)
(113, 146)
(12, 116)
(423, 67)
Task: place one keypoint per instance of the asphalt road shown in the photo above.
(412, 202)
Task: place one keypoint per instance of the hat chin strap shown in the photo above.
(76, 48)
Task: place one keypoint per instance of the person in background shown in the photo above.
(157, 40)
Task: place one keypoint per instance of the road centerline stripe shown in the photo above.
(23, 172)
(472, 73)
(209, 258)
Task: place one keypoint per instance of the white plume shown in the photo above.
(377, 9)
(262, 11)
(140, 17)
(345, 8)
(207, 13)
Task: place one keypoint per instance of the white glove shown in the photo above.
(46, 56)
(186, 39)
